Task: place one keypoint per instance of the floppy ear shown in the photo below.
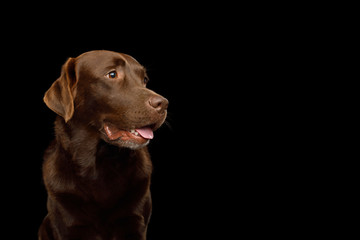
(61, 94)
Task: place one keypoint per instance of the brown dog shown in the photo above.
(97, 170)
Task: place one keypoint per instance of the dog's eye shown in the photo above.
(112, 74)
(146, 80)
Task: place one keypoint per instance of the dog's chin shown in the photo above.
(129, 143)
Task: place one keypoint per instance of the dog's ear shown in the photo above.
(61, 94)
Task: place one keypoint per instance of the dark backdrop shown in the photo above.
(230, 162)
(188, 153)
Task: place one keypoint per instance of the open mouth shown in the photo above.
(139, 135)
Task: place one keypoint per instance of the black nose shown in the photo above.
(159, 103)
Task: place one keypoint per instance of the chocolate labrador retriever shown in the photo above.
(97, 170)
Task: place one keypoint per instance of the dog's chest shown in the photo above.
(115, 181)
(108, 187)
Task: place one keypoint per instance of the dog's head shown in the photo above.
(107, 91)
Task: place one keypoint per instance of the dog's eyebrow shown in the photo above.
(115, 62)
(119, 62)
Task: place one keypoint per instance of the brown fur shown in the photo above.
(98, 187)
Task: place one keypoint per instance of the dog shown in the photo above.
(97, 171)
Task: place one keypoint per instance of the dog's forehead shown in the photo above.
(103, 58)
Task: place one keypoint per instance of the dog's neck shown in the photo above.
(85, 147)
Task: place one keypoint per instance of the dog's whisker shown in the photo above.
(168, 125)
(168, 120)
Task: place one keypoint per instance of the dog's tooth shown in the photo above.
(136, 133)
(132, 131)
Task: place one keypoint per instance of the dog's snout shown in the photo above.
(159, 103)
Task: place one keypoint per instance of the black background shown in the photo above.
(191, 153)
(227, 165)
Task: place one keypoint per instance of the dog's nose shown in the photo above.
(159, 103)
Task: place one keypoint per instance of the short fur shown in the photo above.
(99, 187)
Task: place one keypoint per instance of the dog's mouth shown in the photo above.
(137, 135)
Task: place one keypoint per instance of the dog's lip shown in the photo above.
(140, 134)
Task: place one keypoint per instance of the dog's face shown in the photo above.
(107, 91)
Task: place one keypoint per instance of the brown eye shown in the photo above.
(112, 74)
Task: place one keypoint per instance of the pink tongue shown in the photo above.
(146, 132)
